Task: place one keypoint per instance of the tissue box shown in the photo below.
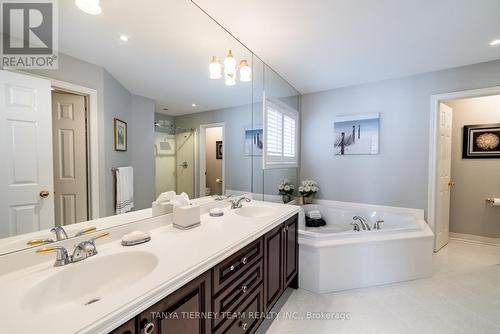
(187, 216)
(162, 208)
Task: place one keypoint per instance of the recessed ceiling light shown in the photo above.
(193, 105)
(91, 7)
(124, 38)
(495, 42)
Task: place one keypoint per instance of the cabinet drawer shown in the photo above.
(237, 291)
(229, 269)
(249, 315)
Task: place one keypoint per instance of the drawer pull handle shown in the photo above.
(244, 326)
(231, 268)
(244, 289)
(148, 328)
(244, 261)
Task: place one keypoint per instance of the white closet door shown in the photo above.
(26, 186)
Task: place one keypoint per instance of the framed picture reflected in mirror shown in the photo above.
(121, 135)
(481, 141)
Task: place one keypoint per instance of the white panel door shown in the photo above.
(444, 177)
(70, 158)
(26, 186)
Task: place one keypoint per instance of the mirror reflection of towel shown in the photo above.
(124, 190)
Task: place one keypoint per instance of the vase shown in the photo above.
(286, 198)
(307, 199)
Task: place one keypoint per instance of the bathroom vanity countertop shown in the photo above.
(182, 256)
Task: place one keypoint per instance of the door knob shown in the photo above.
(44, 193)
(451, 184)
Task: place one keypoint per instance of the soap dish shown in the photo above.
(216, 212)
(135, 238)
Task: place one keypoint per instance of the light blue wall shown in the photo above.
(398, 175)
(114, 100)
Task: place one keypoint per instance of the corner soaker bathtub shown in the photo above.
(335, 257)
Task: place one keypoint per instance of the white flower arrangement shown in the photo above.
(285, 187)
(308, 188)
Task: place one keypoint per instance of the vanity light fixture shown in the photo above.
(230, 69)
(495, 42)
(215, 68)
(229, 63)
(193, 105)
(245, 71)
(230, 79)
(91, 7)
(124, 38)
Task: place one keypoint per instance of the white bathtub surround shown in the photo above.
(335, 258)
(462, 297)
(168, 261)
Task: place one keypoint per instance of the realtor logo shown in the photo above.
(29, 34)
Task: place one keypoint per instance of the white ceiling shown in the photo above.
(322, 44)
(166, 58)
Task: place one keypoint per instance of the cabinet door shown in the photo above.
(291, 249)
(182, 311)
(273, 266)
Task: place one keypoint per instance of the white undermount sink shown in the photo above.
(254, 211)
(84, 283)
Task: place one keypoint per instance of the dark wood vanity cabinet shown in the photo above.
(281, 259)
(291, 256)
(233, 296)
(181, 311)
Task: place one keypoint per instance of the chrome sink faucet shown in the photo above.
(377, 224)
(59, 232)
(82, 251)
(220, 197)
(60, 235)
(362, 222)
(237, 203)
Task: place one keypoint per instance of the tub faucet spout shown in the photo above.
(362, 222)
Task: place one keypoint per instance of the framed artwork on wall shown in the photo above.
(254, 142)
(218, 149)
(481, 141)
(121, 135)
(357, 134)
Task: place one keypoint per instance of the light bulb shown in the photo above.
(245, 71)
(91, 7)
(215, 68)
(230, 64)
(230, 79)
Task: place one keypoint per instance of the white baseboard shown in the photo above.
(475, 239)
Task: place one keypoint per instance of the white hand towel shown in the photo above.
(314, 214)
(124, 189)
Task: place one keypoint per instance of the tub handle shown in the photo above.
(376, 226)
(356, 227)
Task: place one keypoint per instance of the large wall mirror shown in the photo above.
(127, 94)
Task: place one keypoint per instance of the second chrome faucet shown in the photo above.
(82, 251)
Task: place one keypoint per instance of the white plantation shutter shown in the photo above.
(288, 137)
(274, 142)
(280, 135)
